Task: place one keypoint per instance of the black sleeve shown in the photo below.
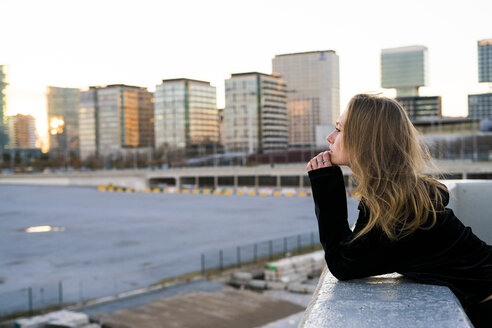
(330, 206)
(362, 258)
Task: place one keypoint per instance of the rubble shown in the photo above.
(58, 319)
(284, 274)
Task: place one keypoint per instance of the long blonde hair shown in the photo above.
(387, 158)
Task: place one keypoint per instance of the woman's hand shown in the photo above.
(319, 161)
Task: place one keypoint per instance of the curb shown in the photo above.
(210, 191)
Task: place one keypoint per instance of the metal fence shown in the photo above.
(49, 295)
(46, 295)
(266, 250)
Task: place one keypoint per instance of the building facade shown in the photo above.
(485, 61)
(255, 113)
(88, 130)
(186, 115)
(115, 118)
(447, 126)
(480, 107)
(3, 108)
(313, 94)
(221, 126)
(404, 69)
(421, 108)
(63, 119)
(22, 131)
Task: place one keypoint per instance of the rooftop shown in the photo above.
(182, 79)
(117, 85)
(306, 52)
(403, 49)
(485, 42)
(249, 73)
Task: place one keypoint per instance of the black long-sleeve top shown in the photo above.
(448, 254)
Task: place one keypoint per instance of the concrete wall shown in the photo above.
(471, 201)
(82, 180)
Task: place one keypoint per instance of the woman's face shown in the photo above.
(338, 155)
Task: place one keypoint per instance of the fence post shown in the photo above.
(60, 293)
(270, 249)
(238, 256)
(312, 240)
(29, 292)
(298, 243)
(221, 259)
(255, 252)
(285, 246)
(80, 290)
(41, 291)
(203, 264)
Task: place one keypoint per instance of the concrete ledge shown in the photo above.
(382, 301)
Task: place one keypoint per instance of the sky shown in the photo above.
(82, 43)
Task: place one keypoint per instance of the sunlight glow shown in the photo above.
(56, 125)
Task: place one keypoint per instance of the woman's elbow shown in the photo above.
(338, 272)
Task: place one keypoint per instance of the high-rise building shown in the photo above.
(220, 119)
(421, 108)
(186, 115)
(480, 105)
(63, 119)
(3, 108)
(22, 131)
(88, 130)
(404, 69)
(485, 60)
(255, 114)
(313, 94)
(114, 118)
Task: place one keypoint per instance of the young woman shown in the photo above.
(403, 224)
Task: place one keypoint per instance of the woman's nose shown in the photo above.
(330, 137)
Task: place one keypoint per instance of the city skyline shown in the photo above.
(65, 45)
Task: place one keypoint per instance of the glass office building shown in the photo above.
(404, 69)
(485, 61)
(3, 107)
(255, 113)
(480, 107)
(186, 114)
(313, 94)
(63, 119)
(421, 108)
(88, 132)
(115, 118)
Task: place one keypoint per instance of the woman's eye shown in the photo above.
(338, 130)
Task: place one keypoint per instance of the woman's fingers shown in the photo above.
(314, 163)
(309, 166)
(326, 159)
(319, 161)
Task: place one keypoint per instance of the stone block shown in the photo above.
(301, 288)
(239, 275)
(275, 285)
(257, 284)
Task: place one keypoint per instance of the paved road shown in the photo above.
(112, 242)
